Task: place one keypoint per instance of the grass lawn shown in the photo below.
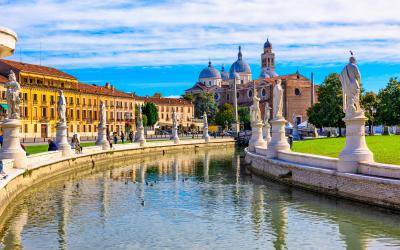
(386, 149)
(34, 149)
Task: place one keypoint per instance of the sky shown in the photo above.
(161, 46)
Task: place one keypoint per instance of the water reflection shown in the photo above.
(185, 201)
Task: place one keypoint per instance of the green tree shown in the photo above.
(369, 102)
(188, 97)
(205, 103)
(244, 117)
(151, 112)
(388, 111)
(224, 116)
(329, 111)
(145, 120)
(158, 94)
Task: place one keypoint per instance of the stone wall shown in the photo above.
(49, 167)
(292, 169)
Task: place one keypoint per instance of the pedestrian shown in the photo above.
(1, 140)
(2, 173)
(130, 136)
(52, 145)
(122, 137)
(115, 138)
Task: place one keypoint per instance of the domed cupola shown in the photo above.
(224, 74)
(240, 66)
(234, 75)
(209, 72)
(267, 73)
(267, 44)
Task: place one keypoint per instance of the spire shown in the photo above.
(240, 53)
(223, 68)
(209, 63)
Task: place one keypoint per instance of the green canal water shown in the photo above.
(189, 200)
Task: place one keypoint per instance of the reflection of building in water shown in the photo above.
(13, 239)
(353, 236)
(104, 193)
(175, 168)
(206, 166)
(66, 208)
(279, 223)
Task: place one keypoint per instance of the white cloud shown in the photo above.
(121, 33)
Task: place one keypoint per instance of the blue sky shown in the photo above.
(151, 46)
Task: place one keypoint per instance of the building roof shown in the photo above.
(267, 44)
(100, 90)
(3, 79)
(163, 100)
(36, 69)
(210, 72)
(240, 66)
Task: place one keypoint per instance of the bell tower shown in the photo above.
(267, 57)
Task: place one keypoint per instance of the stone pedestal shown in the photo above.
(206, 136)
(278, 141)
(62, 140)
(175, 136)
(102, 137)
(11, 144)
(267, 132)
(142, 138)
(256, 139)
(355, 150)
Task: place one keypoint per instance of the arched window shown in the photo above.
(263, 92)
(216, 96)
(297, 92)
(250, 93)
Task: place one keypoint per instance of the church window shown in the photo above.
(263, 92)
(297, 92)
(242, 81)
(227, 97)
(237, 95)
(216, 96)
(250, 93)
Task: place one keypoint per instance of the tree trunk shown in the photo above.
(340, 131)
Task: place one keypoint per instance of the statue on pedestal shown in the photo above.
(267, 126)
(255, 113)
(61, 108)
(351, 81)
(278, 100)
(12, 94)
(103, 114)
(206, 136)
(267, 114)
(174, 120)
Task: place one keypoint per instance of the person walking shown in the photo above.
(122, 137)
(115, 138)
(52, 145)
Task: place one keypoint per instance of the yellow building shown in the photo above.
(40, 87)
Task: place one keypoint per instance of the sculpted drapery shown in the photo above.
(278, 99)
(103, 114)
(12, 95)
(61, 107)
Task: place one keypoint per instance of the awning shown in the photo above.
(4, 106)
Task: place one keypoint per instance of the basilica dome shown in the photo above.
(267, 73)
(240, 66)
(267, 44)
(210, 72)
(224, 74)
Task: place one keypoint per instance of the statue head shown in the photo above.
(352, 58)
(278, 81)
(60, 92)
(12, 77)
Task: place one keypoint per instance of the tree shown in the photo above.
(224, 116)
(388, 111)
(369, 102)
(188, 97)
(244, 117)
(329, 111)
(151, 112)
(144, 117)
(205, 103)
(158, 94)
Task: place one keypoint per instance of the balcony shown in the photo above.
(44, 119)
(35, 102)
(52, 103)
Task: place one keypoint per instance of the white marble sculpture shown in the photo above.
(351, 85)
(11, 148)
(355, 150)
(267, 126)
(61, 128)
(140, 128)
(278, 100)
(206, 136)
(13, 91)
(256, 143)
(278, 141)
(61, 107)
(174, 136)
(102, 128)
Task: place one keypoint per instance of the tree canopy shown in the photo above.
(150, 110)
(205, 103)
(329, 111)
(158, 94)
(244, 117)
(224, 116)
(388, 108)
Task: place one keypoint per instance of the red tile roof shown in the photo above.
(37, 69)
(163, 100)
(100, 90)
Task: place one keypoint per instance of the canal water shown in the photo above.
(190, 200)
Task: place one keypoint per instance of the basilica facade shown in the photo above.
(299, 91)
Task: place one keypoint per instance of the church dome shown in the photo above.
(224, 74)
(210, 72)
(267, 44)
(267, 73)
(240, 66)
(233, 75)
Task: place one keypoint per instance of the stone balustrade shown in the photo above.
(309, 159)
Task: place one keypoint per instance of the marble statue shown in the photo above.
(174, 119)
(205, 120)
(140, 117)
(267, 114)
(12, 94)
(103, 113)
(255, 113)
(61, 107)
(351, 85)
(278, 100)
